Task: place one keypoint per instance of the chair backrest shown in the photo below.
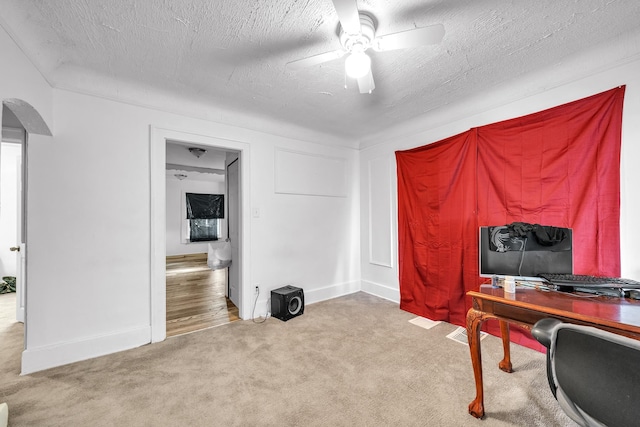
(594, 374)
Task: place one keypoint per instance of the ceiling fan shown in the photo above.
(358, 34)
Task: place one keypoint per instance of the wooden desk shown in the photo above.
(527, 306)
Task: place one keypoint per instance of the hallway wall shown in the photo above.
(176, 190)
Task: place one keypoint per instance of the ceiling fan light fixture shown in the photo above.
(357, 34)
(357, 65)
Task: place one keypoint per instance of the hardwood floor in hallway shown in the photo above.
(196, 295)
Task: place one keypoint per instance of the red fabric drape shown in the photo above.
(556, 167)
(436, 215)
(561, 167)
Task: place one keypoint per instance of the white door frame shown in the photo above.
(157, 150)
(36, 131)
(21, 267)
(233, 202)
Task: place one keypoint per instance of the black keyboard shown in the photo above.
(584, 281)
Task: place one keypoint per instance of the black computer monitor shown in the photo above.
(503, 255)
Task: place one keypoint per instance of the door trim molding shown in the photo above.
(13, 135)
(158, 138)
(231, 269)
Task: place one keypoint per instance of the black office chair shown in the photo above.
(594, 374)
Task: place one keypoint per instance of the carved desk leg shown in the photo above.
(474, 320)
(505, 363)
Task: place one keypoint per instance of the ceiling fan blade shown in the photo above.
(366, 83)
(349, 16)
(315, 59)
(411, 38)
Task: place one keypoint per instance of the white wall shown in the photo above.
(89, 219)
(303, 240)
(20, 79)
(578, 77)
(10, 157)
(175, 202)
(89, 277)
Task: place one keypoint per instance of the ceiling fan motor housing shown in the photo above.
(362, 41)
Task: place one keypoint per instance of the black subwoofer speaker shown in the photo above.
(287, 302)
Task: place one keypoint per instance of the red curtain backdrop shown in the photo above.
(557, 167)
(436, 216)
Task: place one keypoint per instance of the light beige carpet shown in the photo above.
(350, 361)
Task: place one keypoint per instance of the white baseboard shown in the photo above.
(382, 291)
(310, 296)
(50, 356)
(330, 292)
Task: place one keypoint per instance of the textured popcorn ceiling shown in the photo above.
(231, 54)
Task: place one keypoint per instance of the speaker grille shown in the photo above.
(295, 305)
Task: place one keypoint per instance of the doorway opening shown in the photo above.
(199, 217)
(11, 307)
(12, 151)
(21, 123)
(238, 232)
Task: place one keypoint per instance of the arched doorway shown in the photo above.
(19, 120)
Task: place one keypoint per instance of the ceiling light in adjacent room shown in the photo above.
(198, 152)
(357, 65)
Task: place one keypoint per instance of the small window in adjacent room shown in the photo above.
(203, 230)
(203, 214)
